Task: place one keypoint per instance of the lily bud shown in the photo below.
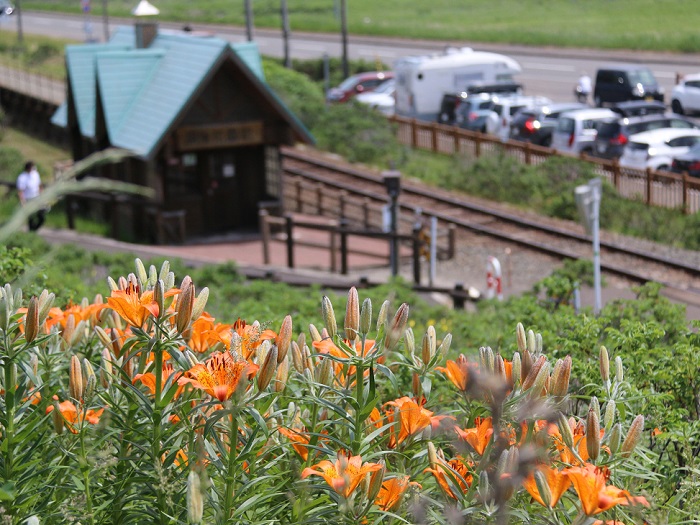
(429, 345)
(560, 377)
(484, 486)
(633, 436)
(200, 303)
(499, 368)
(31, 325)
(184, 305)
(75, 379)
(593, 434)
(141, 273)
(517, 368)
(308, 360)
(410, 342)
(567, 434)
(325, 372)
(267, 369)
(68, 330)
(520, 337)
(487, 358)
(615, 438)
(329, 316)
(366, 317)
(195, 501)
(543, 488)
(526, 364)
(444, 346)
(619, 372)
(57, 418)
(609, 414)
(397, 327)
(534, 372)
(113, 286)
(164, 270)
(152, 276)
(432, 455)
(282, 375)
(595, 405)
(376, 480)
(352, 315)
(541, 379)
(90, 379)
(531, 342)
(45, 303)
(297, 358)
(383, 315)
(284, 338)
(106, 368)
(416, 386)
(116, 342)
(192, 360)
(315, 335)
(605, 366)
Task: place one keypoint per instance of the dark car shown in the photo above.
(535, 125)
(451, 101)
(360, 83)
(639, 108)
(689, 162)
(6, 8)
(621, 82)
(613, 135)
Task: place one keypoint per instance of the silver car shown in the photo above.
(576, 130)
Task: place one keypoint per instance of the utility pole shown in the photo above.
(20, 35)
(105, 20)
(248, 20)
(344, 36)
(285, 34)
(588, 202)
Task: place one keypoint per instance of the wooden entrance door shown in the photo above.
(222, 206)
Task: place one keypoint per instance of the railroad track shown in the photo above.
(632, 263)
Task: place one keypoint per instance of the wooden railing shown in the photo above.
(655, 188)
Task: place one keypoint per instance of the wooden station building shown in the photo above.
(204, 129)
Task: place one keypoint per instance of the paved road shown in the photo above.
(551, 72)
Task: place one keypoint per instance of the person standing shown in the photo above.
(584, 87)
(29, 187)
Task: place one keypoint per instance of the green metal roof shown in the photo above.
(143, 91)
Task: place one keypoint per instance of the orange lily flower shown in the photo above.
(479, 436)
(392, 491)
(298, 439)
(459, 473)
(459, 372)
(149, 379)
(252, 337)
(135, 307)
(414, 418)
(327, 346)
(595, 496)
(74, 417)
(344, 475)
(557, 481)
(220, 375)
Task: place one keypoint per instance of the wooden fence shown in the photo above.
(657, 188)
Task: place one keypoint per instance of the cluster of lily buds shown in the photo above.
(82, 380)
(9, 302)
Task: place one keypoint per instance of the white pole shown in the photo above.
(596, 247)
(433, 249)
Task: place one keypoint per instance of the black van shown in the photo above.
(621, 82)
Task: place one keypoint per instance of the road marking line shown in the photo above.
(548, 67)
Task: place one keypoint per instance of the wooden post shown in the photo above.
(334, 250)
(434, 137)
(527, 153)
(343, 248)
(265, 231)
(648, 184)
(477, 146)
(365, 212)
(455, 140)
(616, 174)
(686, 207)
(451, 241)
(416, 253)
(289, 226)
(300, 202)
(414, 133)
(319, 199)
(343, 196)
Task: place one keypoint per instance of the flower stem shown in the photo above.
(155, 442)
(231, 468)
(85, 468)
(10, 391)
(359, 395)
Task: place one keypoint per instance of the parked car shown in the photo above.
(493, 113)
(536, 125)
(638, 108)
(621, 82)
(356, 84)
(471, 111)
(381, 98)
(685, 97)
(688, 162)
(656, 149)
(451, 101)
(613, 135)
(576, 130)
(6, 8)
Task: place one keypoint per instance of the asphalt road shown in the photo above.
(551, 72)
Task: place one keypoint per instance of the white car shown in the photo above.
(656, 149)
(576, 130)
(497, 119)
(685, 97)
(382, 98)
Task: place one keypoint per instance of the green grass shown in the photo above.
(662, 25)
(37, 54)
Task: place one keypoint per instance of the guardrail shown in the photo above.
(655, 188)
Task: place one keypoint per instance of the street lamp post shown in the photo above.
(344, 36)
(588, 202)
(248, 20)
(392, 182)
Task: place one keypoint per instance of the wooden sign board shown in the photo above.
(189, 138)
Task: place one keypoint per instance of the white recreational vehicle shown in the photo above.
(421, 81)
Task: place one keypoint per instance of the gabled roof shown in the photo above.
(144, 91)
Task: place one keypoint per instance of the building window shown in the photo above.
(273, 172)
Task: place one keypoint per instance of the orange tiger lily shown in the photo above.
(252, 336)
(74, 417)
(413, 418)
(557, 481)
(135, 307)
(344, 475)
(392, 491)
(220, 375)
(149, 379)
(459, 474)
(459, 372)
(595, 496)
(299, 441)
(479, 436)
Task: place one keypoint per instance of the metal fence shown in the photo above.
(657, 188)
(36, 86)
